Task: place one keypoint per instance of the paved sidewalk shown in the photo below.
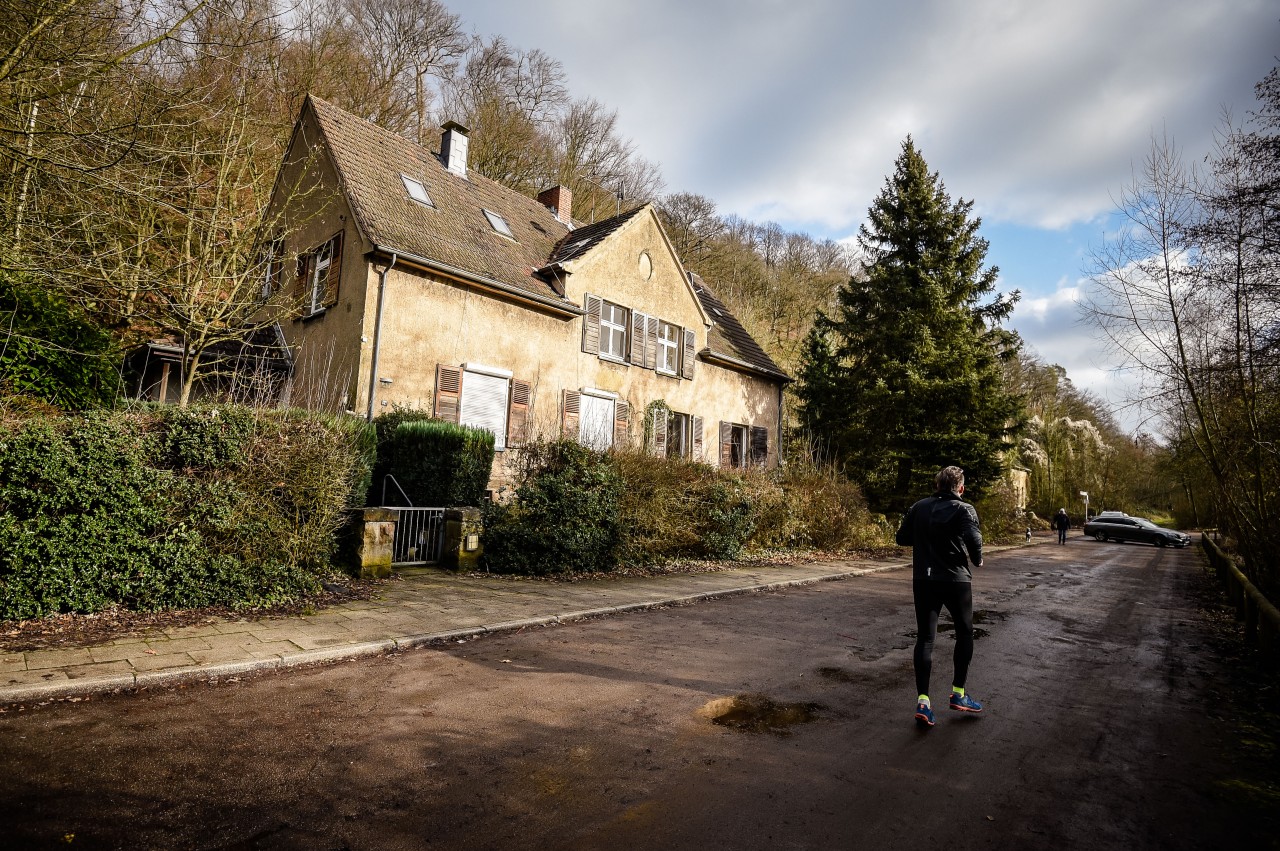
(426, 606)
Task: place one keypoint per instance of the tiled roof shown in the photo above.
(455, 231)
(582, 240)
(727, 338)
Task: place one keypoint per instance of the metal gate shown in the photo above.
(419, 535)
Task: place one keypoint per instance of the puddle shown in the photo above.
(988, 616)
(758, 713)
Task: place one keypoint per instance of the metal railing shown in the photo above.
(419, 536)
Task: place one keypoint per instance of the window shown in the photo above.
(668, 348)
(677, 435)
(613, 330)
(318, 275)
(417, 191)
(596, 418)
(272, 266)
(499, 224)
(741, 445)
(484, 397)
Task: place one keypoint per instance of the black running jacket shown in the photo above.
(942, 531)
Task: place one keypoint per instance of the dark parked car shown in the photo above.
(1118, 526)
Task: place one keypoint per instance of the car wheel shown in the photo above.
(1101, 536)
(1162, 543)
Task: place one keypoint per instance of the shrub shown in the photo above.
(117, 509)
(51, 352)
(435, 463)
(565, 514)
(1002, 520)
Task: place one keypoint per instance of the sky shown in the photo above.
(794, 112)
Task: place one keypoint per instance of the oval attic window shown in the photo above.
(646, 265)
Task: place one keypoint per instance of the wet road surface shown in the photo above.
(778, 720)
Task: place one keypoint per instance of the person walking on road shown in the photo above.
(942, 531)
(1062, 523)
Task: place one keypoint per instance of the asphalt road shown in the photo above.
(1092, 660)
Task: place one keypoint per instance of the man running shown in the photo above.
(942, 531)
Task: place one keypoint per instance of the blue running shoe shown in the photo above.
(924, 715)
(964, 703)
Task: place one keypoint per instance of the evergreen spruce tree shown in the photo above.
(904, 377)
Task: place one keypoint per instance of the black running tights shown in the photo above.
(930, 598)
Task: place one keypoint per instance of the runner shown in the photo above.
(942, 531)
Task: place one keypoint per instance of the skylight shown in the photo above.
(499, 224)
(416, 190)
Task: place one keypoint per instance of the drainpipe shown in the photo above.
(377, 333)
(781, 391)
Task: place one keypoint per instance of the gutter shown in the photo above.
(377, 333)
(735, 363)
(564, 308)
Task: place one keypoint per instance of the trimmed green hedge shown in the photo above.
(159, 507)
(435, 463)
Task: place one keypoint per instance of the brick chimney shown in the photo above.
(453, 148)
(559, 200)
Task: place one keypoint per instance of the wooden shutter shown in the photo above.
(302, 283)
(659, 429)
(518, 413)
(637, 338)
(448, 392)
(621, 422)
(569, 414)
(697, 437)
(689, 355)
(759, 445)
(651, 342)
(726, 444)
(331, 279)
(591, 325)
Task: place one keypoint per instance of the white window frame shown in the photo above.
(610, 327)
(679, 435)
(321, 261)
(417, 190)
(498, 223)
(668, 348)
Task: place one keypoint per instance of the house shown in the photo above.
(428, 286)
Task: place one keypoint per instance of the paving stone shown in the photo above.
(98, 669)
(160, 662)
(177, 645)
(43, 659)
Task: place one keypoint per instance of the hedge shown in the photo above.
(156, 507)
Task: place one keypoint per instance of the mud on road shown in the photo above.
(779, 720)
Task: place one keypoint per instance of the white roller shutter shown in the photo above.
(484, 404)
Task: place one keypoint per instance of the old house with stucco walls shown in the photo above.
(425, 285)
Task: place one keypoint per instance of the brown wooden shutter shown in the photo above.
(591, 325)
(621, 423)
(697, 437)
(569, 414)
(726, 444)
(689, 355)
(638, 342)
(302, 284)
(759, 445)
(518, 413)
(651, 342)
(659, 428)
(334, 275)
(448, 393)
